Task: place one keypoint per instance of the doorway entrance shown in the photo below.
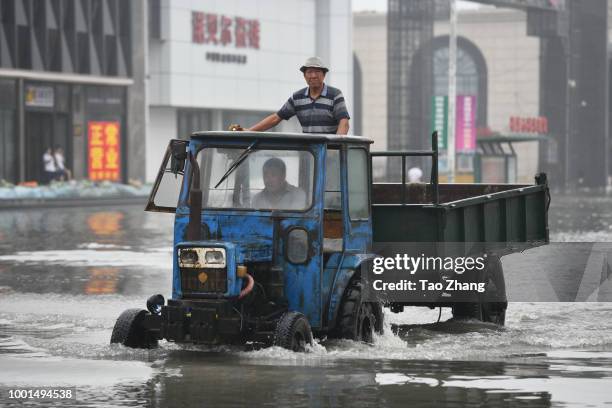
(42, 131)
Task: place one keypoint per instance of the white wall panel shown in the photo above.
(180, 24)
(287, 38)
(161, 128)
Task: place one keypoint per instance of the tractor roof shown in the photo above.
(292, 137)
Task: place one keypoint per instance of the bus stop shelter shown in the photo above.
(496, 161)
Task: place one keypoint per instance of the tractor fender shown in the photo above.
(349, 269)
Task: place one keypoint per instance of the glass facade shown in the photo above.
(8, 137)
(88, 40)
(467, 73)
(192, 120)
(85, 36)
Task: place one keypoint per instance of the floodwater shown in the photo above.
(66, 274)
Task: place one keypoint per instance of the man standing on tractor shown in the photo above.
(319, 107)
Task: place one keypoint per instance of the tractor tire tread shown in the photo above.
(127, 330)
(286, 326)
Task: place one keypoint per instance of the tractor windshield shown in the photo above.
(263, 179)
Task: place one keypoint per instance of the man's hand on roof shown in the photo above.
(235, 127)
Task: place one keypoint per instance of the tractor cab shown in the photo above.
(269, 230)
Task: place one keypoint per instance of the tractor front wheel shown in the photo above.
(130, 331)
(293, 332)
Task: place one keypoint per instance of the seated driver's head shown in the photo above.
(274, 173)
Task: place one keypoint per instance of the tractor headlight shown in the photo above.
(188, 256)
(202, 257)
(215, 257)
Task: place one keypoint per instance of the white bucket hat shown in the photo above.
(314, 62)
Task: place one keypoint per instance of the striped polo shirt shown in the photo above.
(320, 115)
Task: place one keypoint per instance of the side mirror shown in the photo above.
(178, 155)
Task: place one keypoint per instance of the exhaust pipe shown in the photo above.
(195, 203)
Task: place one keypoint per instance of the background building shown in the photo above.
(66, 75)
(531, 63)
(109, 80)
(497, 62)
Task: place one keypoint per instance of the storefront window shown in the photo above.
(245, 119)
(190, 121)
(62, 98)
(7, 145)
(8, 134)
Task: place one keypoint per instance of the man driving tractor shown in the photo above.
(278, 193)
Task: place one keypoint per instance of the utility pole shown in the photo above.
(452, 89)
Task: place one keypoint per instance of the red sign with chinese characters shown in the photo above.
(528, 125)
(210, 28)
(104, 158)
(465, 124)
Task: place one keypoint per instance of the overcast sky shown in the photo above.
(381, 5)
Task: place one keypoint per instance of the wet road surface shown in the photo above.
(66, 274)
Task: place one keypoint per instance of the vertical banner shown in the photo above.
(104, 151)
(439, 119)
(465, 129)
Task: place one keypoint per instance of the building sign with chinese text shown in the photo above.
(213, 36)
(104, 158)
(230, 58)
(465, 129)
(439, 120)
(529, 125)
(465, 122)
(215, 29)
(39, 96)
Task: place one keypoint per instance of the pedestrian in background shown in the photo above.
(414, 175)
(50, 166)
(60, 163)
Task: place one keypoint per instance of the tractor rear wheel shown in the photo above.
(492, 304)
(358, 320)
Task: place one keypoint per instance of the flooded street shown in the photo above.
(66, 274)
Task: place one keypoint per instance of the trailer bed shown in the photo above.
(507, 217)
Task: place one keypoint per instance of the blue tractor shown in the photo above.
(274, 232)
(270, 234)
